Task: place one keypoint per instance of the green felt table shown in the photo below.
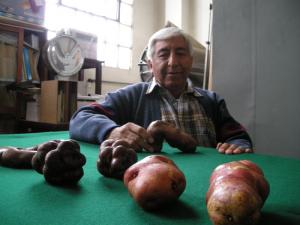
(25, 197)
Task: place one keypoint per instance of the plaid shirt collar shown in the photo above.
(154, 85)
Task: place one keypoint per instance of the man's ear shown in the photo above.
(149, 63)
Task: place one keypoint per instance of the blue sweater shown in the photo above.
(131, 104)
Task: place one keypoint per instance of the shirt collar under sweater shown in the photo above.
(189, 89)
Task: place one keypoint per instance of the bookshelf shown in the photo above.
(21, 66)
(57, 99)
(21, 45)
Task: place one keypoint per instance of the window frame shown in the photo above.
(94, 14)
(105, 42)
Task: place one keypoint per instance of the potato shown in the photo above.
(162, 130)
(18, 158)
(154, 182)
(60, 161)
(115, 156)
(236, 193)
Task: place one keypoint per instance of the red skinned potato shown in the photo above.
(154, 182)
(115, 157)
(161, 130)
(252, 166)
(236, 194)
(60, 161)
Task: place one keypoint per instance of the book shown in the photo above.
(33, 60)
(27, 63)
(24, 74)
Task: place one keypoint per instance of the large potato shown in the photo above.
(154, 182)
(60, 161)
(236, 193)
(115, 156)
(162, 130)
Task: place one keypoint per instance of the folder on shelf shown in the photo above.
(30, 64)
(33, 60)
(27, 63)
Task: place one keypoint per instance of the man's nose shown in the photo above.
(173, 60)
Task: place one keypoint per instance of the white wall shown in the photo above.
(199, 23)
(256, 68)
(173, 11)
(190, 15)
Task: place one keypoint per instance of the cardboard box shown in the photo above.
(31, 11)
(58, 101)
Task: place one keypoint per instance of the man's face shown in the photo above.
(171, 64)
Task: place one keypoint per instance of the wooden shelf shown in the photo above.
(21, 29)
(16, 35)
(21, 24)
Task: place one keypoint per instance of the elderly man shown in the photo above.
(170, 96)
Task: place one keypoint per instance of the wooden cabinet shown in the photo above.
(27, 36)
(58, 99)
(16, 36)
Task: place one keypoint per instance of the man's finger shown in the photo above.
(238, 150)
(219, 144)
(229, 151)
(249, 150)
(223, 147)
(141, 132)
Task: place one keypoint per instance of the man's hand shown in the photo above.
(226, 148)
(135, 135)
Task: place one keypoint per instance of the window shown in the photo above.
(109, 20)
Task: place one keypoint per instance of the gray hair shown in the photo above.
(164, 34)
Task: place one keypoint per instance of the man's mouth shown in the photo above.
(174, 72)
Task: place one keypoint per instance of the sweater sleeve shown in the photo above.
(91, 124)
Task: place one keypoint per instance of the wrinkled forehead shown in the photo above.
(172, 43)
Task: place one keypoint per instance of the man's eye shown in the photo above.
(164, 55)
(181, 53)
